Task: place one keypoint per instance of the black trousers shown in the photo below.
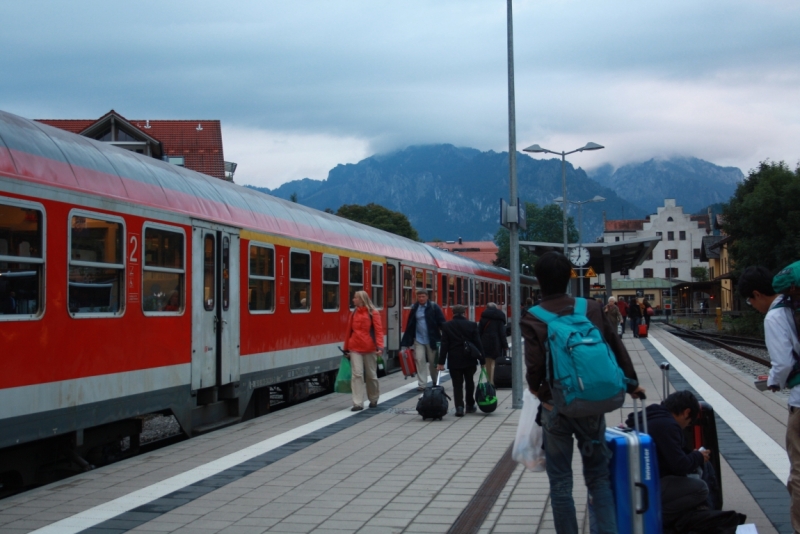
(461, 377)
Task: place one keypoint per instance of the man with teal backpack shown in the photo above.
(579, 369)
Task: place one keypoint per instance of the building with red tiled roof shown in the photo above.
(485, 251)
(194, 144)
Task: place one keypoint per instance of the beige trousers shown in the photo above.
(425, 368)
(793, 450)
(364, 364)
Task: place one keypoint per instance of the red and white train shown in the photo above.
(131, 286)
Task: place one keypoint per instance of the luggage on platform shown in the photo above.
(642, 330)
(433, 402)
(634, 479)
(502, 372)
(407, 363)
(485, 394)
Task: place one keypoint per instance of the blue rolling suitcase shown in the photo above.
(634, 479)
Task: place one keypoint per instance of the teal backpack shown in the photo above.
(582, 371)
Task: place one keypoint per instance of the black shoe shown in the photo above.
(373, 404)
(356, 408)
(472, 409)
(459, 411)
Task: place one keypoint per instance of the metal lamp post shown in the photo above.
(671, 303)
(580, 203)
(539, 150)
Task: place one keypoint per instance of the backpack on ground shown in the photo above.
(581, 369)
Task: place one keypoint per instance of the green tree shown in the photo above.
(763, 218)
(377, 216)
(700, 273)
(545, 224)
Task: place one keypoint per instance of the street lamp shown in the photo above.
(537, 149)
(671, 303)
(580, 203)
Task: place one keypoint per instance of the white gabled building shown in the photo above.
(681, 237)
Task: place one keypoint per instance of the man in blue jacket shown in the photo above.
(424, 332)
(666, 423)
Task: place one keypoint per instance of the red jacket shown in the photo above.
(358, 338)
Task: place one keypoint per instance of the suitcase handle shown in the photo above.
(644, 415)
(645, 498)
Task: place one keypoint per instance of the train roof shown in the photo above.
(42, 154)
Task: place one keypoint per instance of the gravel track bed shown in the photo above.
(744, 365)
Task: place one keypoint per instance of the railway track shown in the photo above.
(725, 342)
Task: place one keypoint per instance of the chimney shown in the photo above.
(460, 242)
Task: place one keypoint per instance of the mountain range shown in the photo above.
(449, 192)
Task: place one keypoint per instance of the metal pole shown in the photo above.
(671, 303)
(564, 196)
(580, 244)
(517, 369)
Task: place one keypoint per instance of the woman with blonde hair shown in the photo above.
(363, 344)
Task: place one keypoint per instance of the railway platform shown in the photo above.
(318, 467)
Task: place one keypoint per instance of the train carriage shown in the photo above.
(130, 286)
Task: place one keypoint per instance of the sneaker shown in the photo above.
(356, 408)
(459, 411)
(472, 409)
(373, 404)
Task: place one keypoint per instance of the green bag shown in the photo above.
(381, 368)
(344, 377)
(787, 279)
(485, 394)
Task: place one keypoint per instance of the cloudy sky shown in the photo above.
(303, 85)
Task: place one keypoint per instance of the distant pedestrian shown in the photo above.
(492, 328)
(635, 314)
(457, 336)
(780, 334)
(623, 311)
(613, 314)
(423, 332)
(648, 312)
(553, 271)
(10, 305)
(364, 343)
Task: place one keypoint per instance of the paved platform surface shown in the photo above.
(317, 467)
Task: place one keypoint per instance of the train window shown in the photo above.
(356, 278)
(465, 291)
(483, 294)
(209, 275)
(451, 289)
(163, 270)
(261, 288)
(300, 281)
(96, 264)
(408, 288)
(377, 285)
(444, 290)
(420, 279)
(391, 286)
(429, 285)
(494, 293)
(330, 283)
(459, 299)
(21, 259)
(502, 297)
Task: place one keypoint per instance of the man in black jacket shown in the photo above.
(424, 336)
(666, 423)
(461, 349)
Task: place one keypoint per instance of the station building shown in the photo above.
(485, 251)
(194, 144)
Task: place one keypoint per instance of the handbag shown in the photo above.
(471, 350)
(485, 394)
(649, 311)
(527, 448)
(343, 377)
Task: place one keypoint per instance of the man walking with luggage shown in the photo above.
(423, 332)
(780, 334)
(462, 351)
(553, 271)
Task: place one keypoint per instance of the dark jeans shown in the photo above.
(679, 495)
(558, 447)
(624, 320)
(460, 377)
(635, 326)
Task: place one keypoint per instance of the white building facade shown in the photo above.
(681, 240)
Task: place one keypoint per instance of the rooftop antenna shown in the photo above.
(199, 127)
(147, 124)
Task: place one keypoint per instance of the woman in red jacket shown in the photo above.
(363, 344)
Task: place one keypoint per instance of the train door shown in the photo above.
(393, 306)
(471, 298)
(215, 305)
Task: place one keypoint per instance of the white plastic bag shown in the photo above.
(528, 443)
